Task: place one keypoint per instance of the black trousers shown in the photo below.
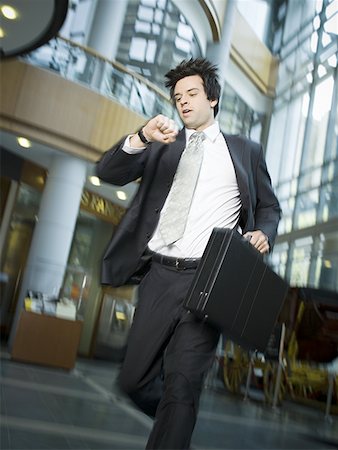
(169, 352)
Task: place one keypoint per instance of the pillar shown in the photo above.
(104, 36)
(53, 233)
(219, 52)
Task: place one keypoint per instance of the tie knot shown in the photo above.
(196, 140)
(197, 136)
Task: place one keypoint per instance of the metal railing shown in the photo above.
(110, 78)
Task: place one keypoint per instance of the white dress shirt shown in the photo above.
(216, 201)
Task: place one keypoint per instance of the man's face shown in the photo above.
(195, 110)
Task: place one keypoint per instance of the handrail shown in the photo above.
(118, 66)
(83, 65)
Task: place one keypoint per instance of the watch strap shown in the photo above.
(142, 137)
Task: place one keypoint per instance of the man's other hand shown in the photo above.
(259, 240)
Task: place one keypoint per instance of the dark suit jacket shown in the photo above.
(125, 256)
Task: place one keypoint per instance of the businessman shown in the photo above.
(192, 180)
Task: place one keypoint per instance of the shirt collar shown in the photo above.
(211, 132)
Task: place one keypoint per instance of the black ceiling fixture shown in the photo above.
(38, 21)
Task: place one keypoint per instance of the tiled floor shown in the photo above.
(44, 408)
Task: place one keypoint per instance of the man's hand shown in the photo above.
(259, 240)
(161, 129)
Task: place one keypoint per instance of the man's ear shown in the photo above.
(213, 103)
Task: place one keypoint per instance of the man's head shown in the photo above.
(205, 70)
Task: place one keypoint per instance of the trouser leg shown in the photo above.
(160, 297)
(167, 341)
(188, 357)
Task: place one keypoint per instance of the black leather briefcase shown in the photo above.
(236, 291)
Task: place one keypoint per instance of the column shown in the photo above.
(219, 52)
(53, 233)
(104, 36)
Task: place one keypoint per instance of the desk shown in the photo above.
(47, 340)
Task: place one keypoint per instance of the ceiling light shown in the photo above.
(121, 195)
(9, 12)
(23, 142)
(95, 181)
(2, 33)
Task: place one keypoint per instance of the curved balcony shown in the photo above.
(67, 97)
(110, 78)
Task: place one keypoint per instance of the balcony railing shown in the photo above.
(82, 65)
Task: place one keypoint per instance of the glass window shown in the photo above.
(287, 205)
(158, 16)
(142, 27)
(151, 3)
(333, 197)
(293, 139)
(146, 14)
(257, 127)
(185, 31)
(310, 179)
(299, 13)
(81, 280)
(274, 152)
(235, 115)
(279, 258)
(326, 39)
(332, 145)
(314, 153)
(327, 262)
(330, 25)
(16, 249)
(306, 209)
(302, 144)
(151, 51)
(332, 10)
(138, 48)
(155, 31)
(293, 19)
(300, 261)
(328, 208)
(182, 44)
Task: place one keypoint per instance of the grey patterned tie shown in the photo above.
(174, 218)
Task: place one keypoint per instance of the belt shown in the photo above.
(177, 263)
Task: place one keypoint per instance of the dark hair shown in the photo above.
(201, 67)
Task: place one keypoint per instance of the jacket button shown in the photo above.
(157, 210)
(148, 235)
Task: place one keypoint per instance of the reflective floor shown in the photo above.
(45, 408)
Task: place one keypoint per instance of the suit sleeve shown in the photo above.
(268, 211)
(118, 167)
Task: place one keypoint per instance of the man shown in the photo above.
(169, 350)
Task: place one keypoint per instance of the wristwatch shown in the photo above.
(142, 137)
